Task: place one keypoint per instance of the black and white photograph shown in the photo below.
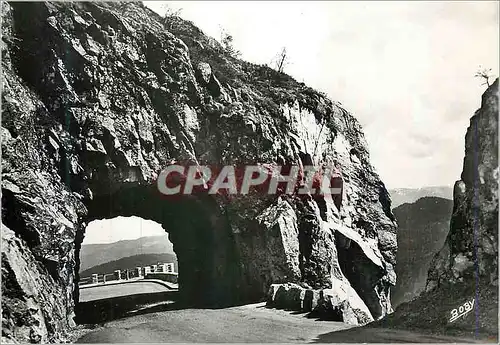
(249, 171)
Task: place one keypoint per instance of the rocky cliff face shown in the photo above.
(98, 98)
(466, 268)
(470, 253)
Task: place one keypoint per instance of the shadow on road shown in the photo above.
(317, 315)
(108, 309)
(104, 310)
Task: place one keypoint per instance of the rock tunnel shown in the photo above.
(209, 270)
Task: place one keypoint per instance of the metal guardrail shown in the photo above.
(169, 285)
(127, 275)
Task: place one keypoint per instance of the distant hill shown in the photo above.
(130, 262)
(401, 196)
(423, 226)
(95, 254)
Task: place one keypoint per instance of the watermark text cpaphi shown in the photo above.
(178, 179)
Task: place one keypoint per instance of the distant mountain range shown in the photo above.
(131, 262)
(423, 227)
(401, 196)
(92, 255)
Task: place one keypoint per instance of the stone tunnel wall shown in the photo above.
(98, 98)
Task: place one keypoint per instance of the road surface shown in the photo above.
(117, 290)
(250, 323)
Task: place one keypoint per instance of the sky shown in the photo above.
(405, 70)
(120, 228)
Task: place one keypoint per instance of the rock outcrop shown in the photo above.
(466, 268)
(340, 303)
(470, 253)
(99, 98)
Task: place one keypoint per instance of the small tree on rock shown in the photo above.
(226, 40)
(170, 13)
(484, 73)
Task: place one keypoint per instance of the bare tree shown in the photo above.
(281, 60)
(484, 73)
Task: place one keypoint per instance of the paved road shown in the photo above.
(117, 290)
(250, 323)
(385, 335)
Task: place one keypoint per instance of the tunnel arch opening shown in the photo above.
(126, 244)
(125, 265)
(208, 261)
